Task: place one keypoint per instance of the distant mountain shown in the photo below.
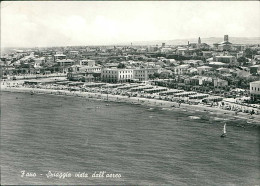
(210, 41)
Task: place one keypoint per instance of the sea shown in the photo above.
(62, 140)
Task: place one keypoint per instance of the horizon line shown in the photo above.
(123, 43)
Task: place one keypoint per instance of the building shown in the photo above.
(223, 46)
(143, 74)
(74, 52)
(181, 69)
(226, 59)
(203, 69)
(40, 60)
(199, 45)
(204, 46)
(166, 50)
(185, 51)
(65, 62)
(152, 48)
(239, 47)
(198, 80)
(88, 62)
(216, 65)
(75, 76)
(207, 54)
(255, 91)
(79, 76)
(220, 82)
(257, 57)
(255, 69)
(223, 70)
(93, 69)
(85, 69)
(59, 57)
(240, 54)
(116, 75)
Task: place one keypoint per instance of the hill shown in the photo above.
(210, 41)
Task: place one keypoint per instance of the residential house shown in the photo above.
(203, 69)
(181, 69)
(220, 82)
(87, 62)
(255, 69)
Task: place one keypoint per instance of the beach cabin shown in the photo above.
(155, 90)
(170, 92)
(198, 96)
(32, 82)
(140, 88)
(185, 94)
(129, 86)
(112, 85)
(212, 99)
(92, 84)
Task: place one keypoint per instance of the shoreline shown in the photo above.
(164, 105)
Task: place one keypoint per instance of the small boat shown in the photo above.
(224, 132)
(32, 93)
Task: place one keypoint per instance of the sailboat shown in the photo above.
(224, 132)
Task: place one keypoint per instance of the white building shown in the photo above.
(59, 57)
(203, 69)
(166, 50)
(40, 60)
(143, 74)
(65, 62)
(255, 91)
(181, 69)
(93, 69)
(85, 69)
(116, 75)
(226, 59)
(73, 52)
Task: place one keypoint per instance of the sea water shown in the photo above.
(46, 138)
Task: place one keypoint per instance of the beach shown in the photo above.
(219, 110)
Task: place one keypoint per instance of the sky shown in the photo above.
(67, 23)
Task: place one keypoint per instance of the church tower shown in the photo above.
(199, 43)
(226, 38)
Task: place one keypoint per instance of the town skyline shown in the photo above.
(169, 42)
(45, 24)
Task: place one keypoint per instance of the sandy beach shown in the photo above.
(166, 105)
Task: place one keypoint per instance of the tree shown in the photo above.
(151, 76)
(156, 75)
(250, 52)
(242, 59)
(121, 65)
(96, 75)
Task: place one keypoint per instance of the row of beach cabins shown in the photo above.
(128, 89)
